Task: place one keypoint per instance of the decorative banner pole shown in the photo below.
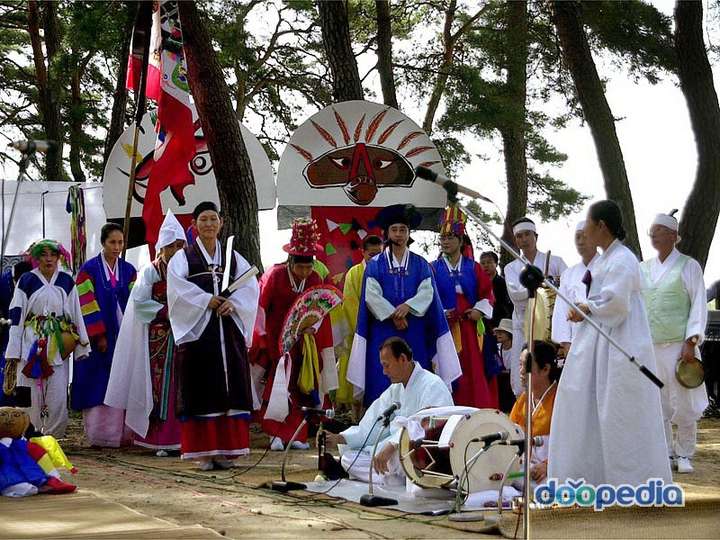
(141, 37)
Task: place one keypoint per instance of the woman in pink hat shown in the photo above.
(280, 286)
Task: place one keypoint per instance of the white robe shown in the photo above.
(188, 303)
(571, 285)
(519, 296)
(682, 406)
(49, 298)
(130, 384)
(424, 389)
(607, 421)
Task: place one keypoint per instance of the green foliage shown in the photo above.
(550, 198)
(637, 33)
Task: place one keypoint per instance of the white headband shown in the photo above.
(580, 226)
(524, 226)
(666, 221)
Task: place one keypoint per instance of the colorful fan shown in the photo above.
(309, 308)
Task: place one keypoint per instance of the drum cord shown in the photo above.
(254, 465)
(357, 455)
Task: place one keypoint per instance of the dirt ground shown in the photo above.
(231, 503)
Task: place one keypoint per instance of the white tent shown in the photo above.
(31, 214)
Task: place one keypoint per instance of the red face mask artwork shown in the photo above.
(362, 168)
(200, 165)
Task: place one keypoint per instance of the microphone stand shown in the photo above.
(456, 512)
(370, 499)
(282, 485)
(532, 278)
(22, 169)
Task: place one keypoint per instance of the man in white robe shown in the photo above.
(526, 236)
(674, 293)
(574, 285)
(414, 388)
(606, 422)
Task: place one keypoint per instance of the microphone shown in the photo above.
(535, 441)
(453, 188)
(28, 147)
(327, 413)
(492, 437)
(391, 409)
(520, 443)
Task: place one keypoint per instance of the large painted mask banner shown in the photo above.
(169, 193)
(344, 164)
(358, 153)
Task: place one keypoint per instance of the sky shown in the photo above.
(655, 137)
(658, 147)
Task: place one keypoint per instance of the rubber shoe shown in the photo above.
(684, 466)
(297, 445)
(276, 445)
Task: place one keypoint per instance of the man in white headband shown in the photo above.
(674, 294)
(575, 284)
(526, 236)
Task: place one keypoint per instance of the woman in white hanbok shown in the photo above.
(607, 422)
(45, 313)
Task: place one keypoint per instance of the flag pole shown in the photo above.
(143, 21)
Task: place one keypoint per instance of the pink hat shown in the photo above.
(304, 239)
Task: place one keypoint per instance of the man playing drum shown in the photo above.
(414, 388)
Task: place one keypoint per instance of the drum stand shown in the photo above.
(532, 278)
(370, 499)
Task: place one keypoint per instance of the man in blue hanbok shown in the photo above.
(399, 298)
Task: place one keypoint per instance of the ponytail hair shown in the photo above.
(609, 213)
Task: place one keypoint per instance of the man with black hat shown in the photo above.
(399, 298)
(214, 391)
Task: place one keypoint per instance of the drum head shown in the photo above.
(689, 374)
(426, 460)
(488, 470)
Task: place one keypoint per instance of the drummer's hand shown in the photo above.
(215, 302)
(473, 314)
(688, 352)
(382, 458)
(333, 439)
(309, 330)
(538, 472)
(401, 311)
(226, 308)
(400, 324)
(450, 314)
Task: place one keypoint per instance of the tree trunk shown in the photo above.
(578, 58)
(513, 135)
(700, 214)
(120, 96)
(76, 125)
(231, 163)
(444, 72)
(47, 84)
(384, 53)
(338, 49)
